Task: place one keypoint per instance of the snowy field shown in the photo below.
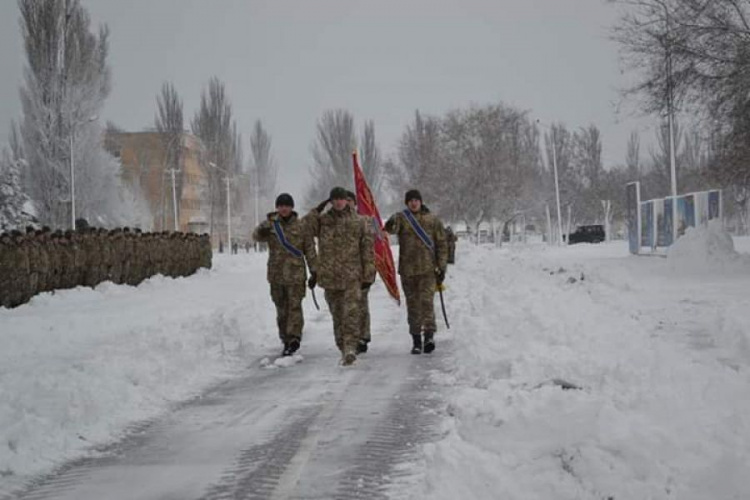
(576, 373)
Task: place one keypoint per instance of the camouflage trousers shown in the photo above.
(420, 302)
(288, 302)
(344, 307)
(364, 315)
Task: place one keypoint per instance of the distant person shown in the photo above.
(451, 239)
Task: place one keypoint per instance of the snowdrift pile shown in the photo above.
(705, 246)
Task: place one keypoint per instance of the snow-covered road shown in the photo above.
(173, 385)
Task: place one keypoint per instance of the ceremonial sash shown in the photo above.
(284, 242)
(419, 230)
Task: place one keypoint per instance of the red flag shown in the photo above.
(383, 256)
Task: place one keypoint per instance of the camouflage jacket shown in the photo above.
(346, 247)
(414, 258)
(284, 268)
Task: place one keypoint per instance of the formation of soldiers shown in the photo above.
(343, 264)
(41, 260)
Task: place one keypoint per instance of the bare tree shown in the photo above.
(633, 156)
(213, 124)
(169, 124)
(372, 164)
(695, 55)
(332, 154)
(263, 170)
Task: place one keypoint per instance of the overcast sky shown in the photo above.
(286, 62)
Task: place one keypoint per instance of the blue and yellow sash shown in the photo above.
(284, 242)
(419, 230)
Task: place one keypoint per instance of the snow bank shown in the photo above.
(704, 246)
(661, 410)
(78, 366)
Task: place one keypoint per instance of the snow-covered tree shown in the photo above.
(66, 81)
(15, 207)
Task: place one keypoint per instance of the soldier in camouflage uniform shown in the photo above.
(115, 269)
(20, 283)
(55, 260)
(206, 251)
(6, 269)
(45, 274)
(90, 248)
(364, 300)
(421, 268)
(290, 244)
(451, 239)
(346, 265)
(35, 262)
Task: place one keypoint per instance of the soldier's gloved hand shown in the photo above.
(264, 231)
(390, 223)
(439, 276)
(312, 280)
(322, 206)
(366, 286)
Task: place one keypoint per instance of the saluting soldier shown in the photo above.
(290, 245)
(421, 265)
(346, 266)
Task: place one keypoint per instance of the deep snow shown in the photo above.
(659, 354)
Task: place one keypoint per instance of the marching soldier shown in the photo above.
(364, 300)
(451, 238)
(422, 262)
(290, 245)
(346, 267)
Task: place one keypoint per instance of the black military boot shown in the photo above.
(286, 351)
(293, 346)
(417, 347)
(361, 346)
(429, 342)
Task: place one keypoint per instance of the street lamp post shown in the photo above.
(557, 182)
(173, 172)
(228, 181)
(257, 188)
(72, 185)
(557, 189)
(670, 119)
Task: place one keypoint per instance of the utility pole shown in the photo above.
(257, 189)
(72, 182)
(557, 188)
(173, 172)
(228, 180)
(670, 119)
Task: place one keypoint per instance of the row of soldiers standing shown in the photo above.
(343, 265)
(41, 260)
